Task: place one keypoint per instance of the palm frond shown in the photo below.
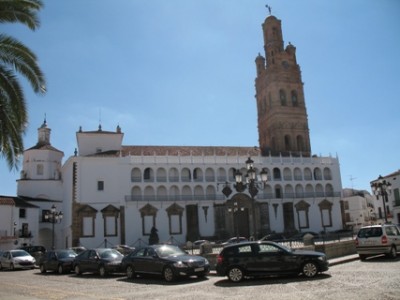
(20, 57)
(23, 11)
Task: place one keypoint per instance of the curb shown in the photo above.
(342, 260)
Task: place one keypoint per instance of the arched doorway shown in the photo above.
(240, 215)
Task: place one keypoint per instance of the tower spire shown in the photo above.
(282, 116)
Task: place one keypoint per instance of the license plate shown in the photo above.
(368, 243)
(199, 269)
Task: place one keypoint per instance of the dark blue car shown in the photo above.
(102, 261)
(167, 261)
(57, 261)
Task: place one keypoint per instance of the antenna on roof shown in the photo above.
(352, 179)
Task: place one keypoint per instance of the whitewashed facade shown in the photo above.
(114, 194)
(19, 224)
(392, 205)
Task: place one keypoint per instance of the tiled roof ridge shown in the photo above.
(4, 200)
(41, 146)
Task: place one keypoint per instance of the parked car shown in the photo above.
(300, 236)
(378, 239)
(234, 240)
(17, 259)
(78, 249)
(198, 243)
(36, 251)
(253, 259)
(124, 249)
(60, 261)
(273, 237)
(101, 260)
(168, 261)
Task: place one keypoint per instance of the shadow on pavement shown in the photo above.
(156, 280)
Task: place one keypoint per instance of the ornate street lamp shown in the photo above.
(251, 183)
(382, 188)
(53, 216)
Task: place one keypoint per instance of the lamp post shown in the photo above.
(251, 183)
(53, 216)
(382, 188)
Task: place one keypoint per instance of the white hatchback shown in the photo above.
(16, 259)
(378, 239)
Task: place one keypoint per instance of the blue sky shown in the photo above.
(181, 72)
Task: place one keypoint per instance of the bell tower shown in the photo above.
(282, 115)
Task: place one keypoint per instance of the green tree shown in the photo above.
(17, 59)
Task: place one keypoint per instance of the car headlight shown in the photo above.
(179, 264)
(322, 258)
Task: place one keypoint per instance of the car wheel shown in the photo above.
(310, 269)
(42, 269)
(168, 274)
(235, 274)
(130, 272)
(77, 270)
(60, 269)
(102, 271)
(393, 252)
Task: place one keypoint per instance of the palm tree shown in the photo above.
(16, 58)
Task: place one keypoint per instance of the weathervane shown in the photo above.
(269, 8)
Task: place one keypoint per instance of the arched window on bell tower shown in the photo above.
(282, 96)
(294, 98)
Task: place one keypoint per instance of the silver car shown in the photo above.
(378, 239)
(17, 259)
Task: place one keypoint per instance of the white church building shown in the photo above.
(110, 193)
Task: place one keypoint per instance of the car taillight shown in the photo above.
(384, 239)
(220, 259)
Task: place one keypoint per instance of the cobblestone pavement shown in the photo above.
(377, 278)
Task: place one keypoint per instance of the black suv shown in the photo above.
(263, 258)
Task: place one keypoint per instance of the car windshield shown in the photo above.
(110, 253)
(66, 254)
(18, 253)
(165, 251)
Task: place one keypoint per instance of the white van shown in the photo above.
(378, 239)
